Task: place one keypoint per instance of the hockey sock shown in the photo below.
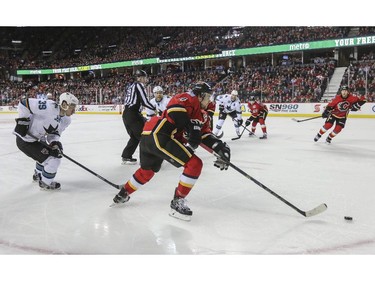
(139, 178)
(190, 175)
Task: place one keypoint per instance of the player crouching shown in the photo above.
(163, 139)
(38, 132)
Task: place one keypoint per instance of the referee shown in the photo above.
(135, 98)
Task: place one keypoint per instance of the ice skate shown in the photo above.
(37, 176)
(251, 134)
(120, 199)
(328, 140)
(129, 161)
(179, 209)
(52, 186)
(263, 137)
(317, 137)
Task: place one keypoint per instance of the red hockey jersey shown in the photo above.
(340, 107)
(256, 108)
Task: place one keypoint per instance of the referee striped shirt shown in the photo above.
(136, 96)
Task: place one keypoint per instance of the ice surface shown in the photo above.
(232, 215)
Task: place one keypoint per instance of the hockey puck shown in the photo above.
(348, 218)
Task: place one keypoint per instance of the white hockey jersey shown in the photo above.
(159, 105)
(229, 105)
(45, 119)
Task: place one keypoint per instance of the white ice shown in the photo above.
(231, 214)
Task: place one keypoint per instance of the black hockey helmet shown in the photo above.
(140, 73)
(344, 87)
(201, 87)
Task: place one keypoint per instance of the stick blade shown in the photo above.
(236, 138)
(294, 119)
(317, 210)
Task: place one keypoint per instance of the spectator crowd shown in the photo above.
(272, 82)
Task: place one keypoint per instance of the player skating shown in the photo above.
(336, 112)
(44, 120)
(229, 105)
(259, 112)
(159, 101)
(162, 139)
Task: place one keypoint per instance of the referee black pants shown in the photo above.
(134, 122)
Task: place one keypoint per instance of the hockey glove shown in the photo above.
(221, 107)
(56, 149)
(223, 150)
(357, 105)
(239, 122)
(248, 121)
(194, 133)
(22, 126)
(326, 113)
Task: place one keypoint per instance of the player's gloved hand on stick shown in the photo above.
(239, 122)
(221, 107)
(326, 112)
(223, 150)
(248, 121)
(22, 126)
(56, 149)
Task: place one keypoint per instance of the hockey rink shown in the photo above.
(231, 214)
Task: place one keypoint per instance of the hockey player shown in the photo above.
(229, 105)
(162, 139)
(159, 101)
(45, 120)
(259, 113)
(337, 112)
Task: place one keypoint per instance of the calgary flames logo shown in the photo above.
(343, 106)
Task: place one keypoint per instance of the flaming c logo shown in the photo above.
(317, 108)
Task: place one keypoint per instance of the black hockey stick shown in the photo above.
(244, 128)
(237, 138)
(75, 162)
(317, 210)
(303, 120)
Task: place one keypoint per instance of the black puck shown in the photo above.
(348, 218)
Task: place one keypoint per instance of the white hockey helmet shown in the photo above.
(69, 99)
(234, 93)
(157, 89)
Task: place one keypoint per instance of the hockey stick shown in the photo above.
(244, 128)
(317, 210)
(237, 138)
(303, 120)
(75, 162)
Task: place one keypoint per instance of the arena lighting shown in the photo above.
(112, 46)
(166, 37)
(16, 41)
(47, 52)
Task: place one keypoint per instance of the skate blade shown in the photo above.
(128, 163)
(177, 215)
(50, 189)
(116, 204)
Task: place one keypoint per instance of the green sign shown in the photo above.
(315, 45)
